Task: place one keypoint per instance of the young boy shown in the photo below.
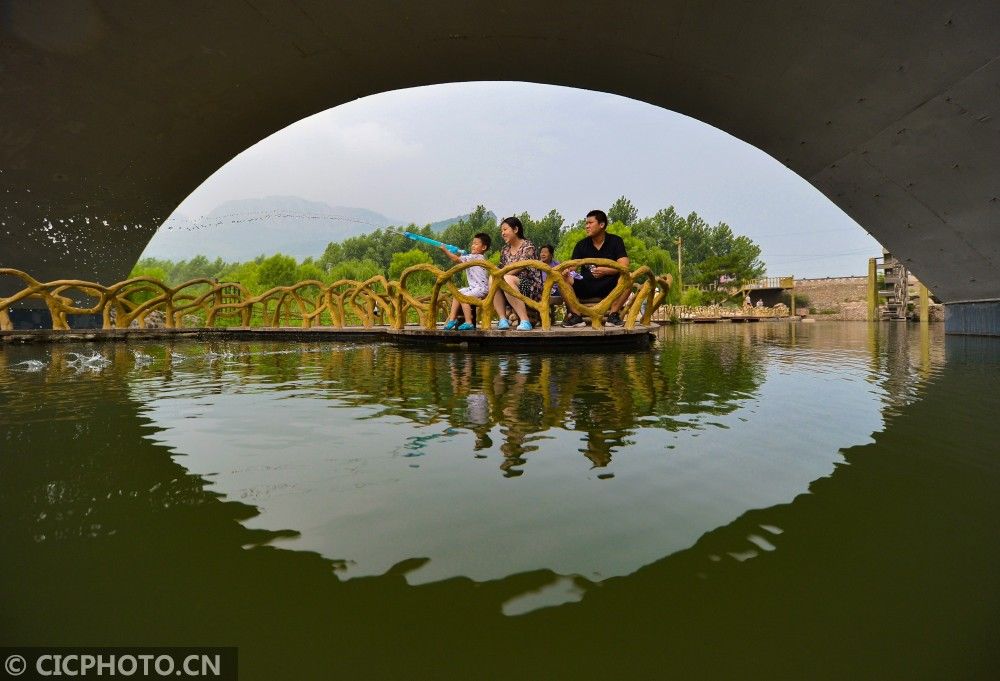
(479, 281)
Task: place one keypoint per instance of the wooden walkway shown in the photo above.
(553, 339)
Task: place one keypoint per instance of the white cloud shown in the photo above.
(369, 142)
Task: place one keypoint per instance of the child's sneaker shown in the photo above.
(466, 327)
(503, 325)
(452, 323)
(525, 325)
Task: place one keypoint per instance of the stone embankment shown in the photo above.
(840, 299)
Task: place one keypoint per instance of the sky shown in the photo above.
(425, 154)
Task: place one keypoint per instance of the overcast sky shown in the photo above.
(425, 154)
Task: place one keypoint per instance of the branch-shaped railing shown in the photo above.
(314, 303)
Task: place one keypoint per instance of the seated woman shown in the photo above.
(527, 280)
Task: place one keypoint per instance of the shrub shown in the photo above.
(801, 300)
(692, 297)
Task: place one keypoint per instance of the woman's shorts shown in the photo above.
(473, 292)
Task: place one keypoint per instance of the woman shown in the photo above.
(527, 280)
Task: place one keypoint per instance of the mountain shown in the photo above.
(245, 228)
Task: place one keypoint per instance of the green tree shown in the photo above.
(548, 230)
(309, 270)
(400, 261)
(333, 254)
(243, 273)
(358, 270)
(144, 268)
(708, 250)
(197, 267)
(661, 229)
(419, 281)
(623, 211)
(460, 233)
(278, 270)
(380, 245)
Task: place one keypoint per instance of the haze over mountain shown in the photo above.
(245, 228)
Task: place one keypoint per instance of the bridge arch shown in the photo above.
(117, 113)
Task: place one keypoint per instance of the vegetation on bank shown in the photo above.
(709, 251)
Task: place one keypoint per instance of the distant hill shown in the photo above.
(243, 229)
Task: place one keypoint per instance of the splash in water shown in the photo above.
(29, 365)
(93, 362)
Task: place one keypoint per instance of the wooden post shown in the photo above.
(925, 304)
(793, 299)
(872, 291)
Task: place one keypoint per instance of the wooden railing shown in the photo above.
(313, 302)
(768, 282)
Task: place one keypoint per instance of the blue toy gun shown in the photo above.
(437, 244)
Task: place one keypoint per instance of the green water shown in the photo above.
(753, 501)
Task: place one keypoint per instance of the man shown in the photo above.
(597, 281)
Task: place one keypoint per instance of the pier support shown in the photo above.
(973, 318)
(925, 303)
(872, 290)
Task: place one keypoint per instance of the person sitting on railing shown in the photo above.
(527, 280)
(597, 282)
(547, 255)
(477, 277)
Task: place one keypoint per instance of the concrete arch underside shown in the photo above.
(119, 110)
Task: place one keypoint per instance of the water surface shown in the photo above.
(408, 507)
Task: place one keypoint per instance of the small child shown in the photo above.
(479, 281)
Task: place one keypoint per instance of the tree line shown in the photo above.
(710, 252)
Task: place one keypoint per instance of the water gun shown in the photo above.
(437, 244)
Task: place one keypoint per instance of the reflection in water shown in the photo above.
(119, 525)
(335, 440)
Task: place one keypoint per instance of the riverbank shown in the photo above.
(841, 299)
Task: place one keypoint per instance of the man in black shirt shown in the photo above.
(597, 281)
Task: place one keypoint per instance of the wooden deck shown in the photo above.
(555, 338)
